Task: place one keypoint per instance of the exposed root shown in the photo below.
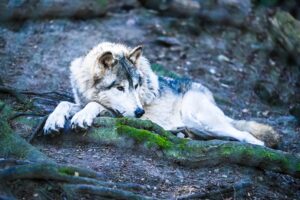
(100, 191)
(14, 92)
(19, 94)
(60, 173)
(73, 180)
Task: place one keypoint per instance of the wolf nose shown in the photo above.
(139, 112)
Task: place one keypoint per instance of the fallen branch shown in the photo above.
(187, 152)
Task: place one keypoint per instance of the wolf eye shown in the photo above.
(136, 86)
(121, 88)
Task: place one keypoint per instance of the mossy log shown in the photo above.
(136, 133)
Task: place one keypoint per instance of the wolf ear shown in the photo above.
(135, 53)
(106, 59)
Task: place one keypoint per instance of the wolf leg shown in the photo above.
(200, 113)
(84, 118)
(57, 118)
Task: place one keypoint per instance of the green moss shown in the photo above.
(143, 136)
(66, 171)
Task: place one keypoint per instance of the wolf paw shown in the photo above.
(54, 124)
(81, 120)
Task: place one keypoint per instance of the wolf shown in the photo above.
(118, 78)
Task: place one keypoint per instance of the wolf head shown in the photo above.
(117, 78)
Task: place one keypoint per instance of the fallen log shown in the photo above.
(136, 133)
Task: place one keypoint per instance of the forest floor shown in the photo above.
(35, 55)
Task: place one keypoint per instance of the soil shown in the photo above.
(35, 55)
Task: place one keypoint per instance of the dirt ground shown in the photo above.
(35, 56)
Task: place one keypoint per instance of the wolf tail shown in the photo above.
(260, 131)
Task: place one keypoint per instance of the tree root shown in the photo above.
(14, 92)
(19, 94)
(102, 192)
(73, 179)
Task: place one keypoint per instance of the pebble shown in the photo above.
(222, 58)
(245, 110)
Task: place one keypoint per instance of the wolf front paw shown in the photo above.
(82, 120)
(54, 124)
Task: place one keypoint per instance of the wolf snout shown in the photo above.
(139, 112)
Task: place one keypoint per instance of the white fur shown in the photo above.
(84, 118)
(57, 118)
(195, 109)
